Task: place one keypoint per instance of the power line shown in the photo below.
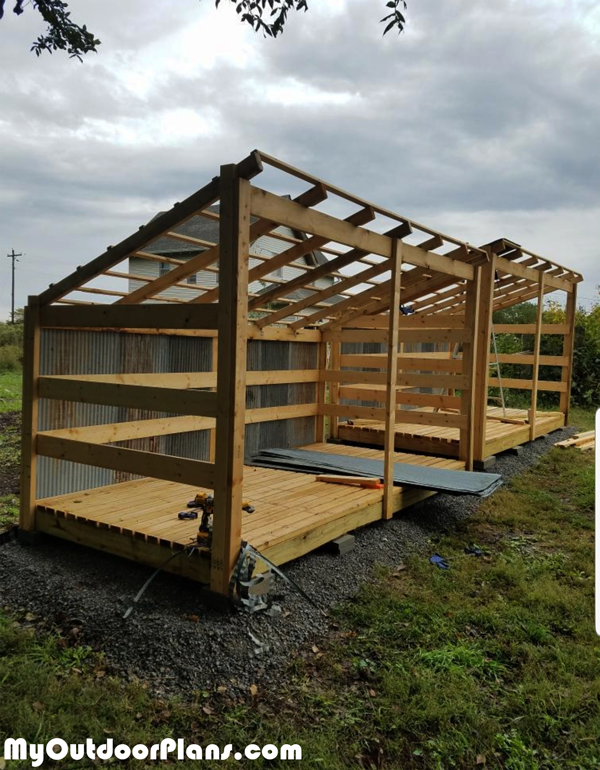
(13, 256)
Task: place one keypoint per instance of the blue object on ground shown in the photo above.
(439, 561)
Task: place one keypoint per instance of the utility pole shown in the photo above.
(13, 256)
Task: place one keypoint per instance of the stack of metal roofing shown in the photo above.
(425, 477)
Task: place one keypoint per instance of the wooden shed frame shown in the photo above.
(451, 287)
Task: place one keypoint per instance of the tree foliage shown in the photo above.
(62, 33)
(270, 16)
(266, 16)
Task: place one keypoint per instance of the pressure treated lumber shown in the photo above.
(392, 375)
(234, 238)
(30, 418)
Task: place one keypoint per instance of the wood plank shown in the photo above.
(413, 416)
(135, 316)
(555, 387)
(115, 254)
(568, 348)
(131, 548)
(31, 369)
(392, 374)
(470, 362)
(134, 461)
(267, 205)
(531, 328)
(458, 382)
(234, 237)
(406, 362)
(514, 268)
(173, 400)
(379, 395)
(185, 380)
(409, 335)
(536, 356)
(528, 359)
(416, 321)
(321, 394)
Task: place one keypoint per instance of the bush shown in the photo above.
(11, 358)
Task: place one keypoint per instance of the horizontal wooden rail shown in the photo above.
(561, 329)
(286, 212)
(413, 362)
(527, 360)
(408, 335)
(455, 381)
(166, 467)
(408, 322)
(155, 316)
(555, 387)
(167, 426)
(409, 416)
(379, 395)
(186, 380)
(172, 400)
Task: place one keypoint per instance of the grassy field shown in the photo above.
(492, 663)
(10, 391)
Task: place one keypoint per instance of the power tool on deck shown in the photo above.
(205, 503)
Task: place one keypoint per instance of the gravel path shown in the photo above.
(172, 641)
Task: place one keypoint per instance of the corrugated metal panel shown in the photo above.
(77, 352)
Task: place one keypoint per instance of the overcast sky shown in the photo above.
(482, 120)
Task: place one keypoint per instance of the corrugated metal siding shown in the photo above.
(77, 352)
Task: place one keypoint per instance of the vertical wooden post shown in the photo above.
(392, 379)
(31, 370)
(482, 365)
(334, 387)
(536, 357)
(470, 359)
(231, 376)
(212, 447)
(568, 348)
(321, 391)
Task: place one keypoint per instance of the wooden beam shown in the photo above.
(458, 382)
(469, 357)
(514, 268)
(172, 400)
(234, 238)
(409, 417)
(536, 356)
(115, 254)
(407, 362)
(167, 467)
(155, 316)
(335, 348)
(482, 369)
(208, 257)
(378, 394)
(321, 394)
(406, 335)
(568, 348)
(265, 204)
(531, 329)
(417, 321)
(31, 369)
(392, 374)
(514, 384)
(185, 380)
(296, 251)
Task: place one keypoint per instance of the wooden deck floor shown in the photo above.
(500, 436)
(293, 515)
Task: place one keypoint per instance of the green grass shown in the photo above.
(10, 391)
(492, 663)
(582, 417)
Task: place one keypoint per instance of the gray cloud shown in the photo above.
(482, 116)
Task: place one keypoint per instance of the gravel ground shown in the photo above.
(175, 644)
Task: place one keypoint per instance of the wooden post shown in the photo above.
(31, 370)
(568, 348)
(536, 357)
(470, 359)
(321, 392)
(334, 387)
(482, 367)
(212, 447)
(231, 376)
(392, 378)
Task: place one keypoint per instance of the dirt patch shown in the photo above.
(10, 452)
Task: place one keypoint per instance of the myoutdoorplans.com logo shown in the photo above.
(58, 749)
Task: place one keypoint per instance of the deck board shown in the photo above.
(445, 441)
(293, 513)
